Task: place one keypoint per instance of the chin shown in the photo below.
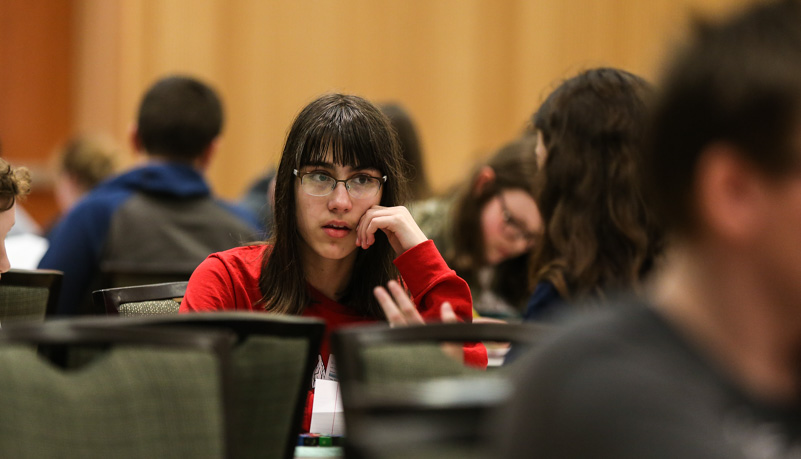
(336, 253)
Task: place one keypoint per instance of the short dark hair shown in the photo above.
(179, 117)
(357, 134)
(736, 82)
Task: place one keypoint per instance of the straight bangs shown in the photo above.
(350, 145)
(357, 135)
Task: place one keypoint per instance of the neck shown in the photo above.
(329, 277)
(723, 306)
(198, 163)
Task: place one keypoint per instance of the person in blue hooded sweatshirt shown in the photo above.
(159, 217)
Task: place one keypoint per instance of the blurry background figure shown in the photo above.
(14, 182)
(260, 196)
(81, 165)
(487, 226)
(25, 224)
(157, 221)
(598, 234)
(24, 245)
(259, 199)
(703, 362)
(409, 142)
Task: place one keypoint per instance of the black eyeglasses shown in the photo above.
(321, 184)
(513, 227)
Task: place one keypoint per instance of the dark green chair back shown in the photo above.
(28, 295)
(403, 397)
(147, 392)
(272, 368)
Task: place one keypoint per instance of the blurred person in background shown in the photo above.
(160, 216)
(81, 164)
(706, 361)
(487, 227)
(599, 233)
(15, 182)
(411, 150)
(24, 245)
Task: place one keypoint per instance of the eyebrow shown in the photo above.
(331, 166)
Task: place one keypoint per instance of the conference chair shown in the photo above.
(404, 397)
(28, 295)
(140, 300)
(147, 393)
(272, 366)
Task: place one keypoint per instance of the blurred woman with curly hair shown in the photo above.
(599, 233)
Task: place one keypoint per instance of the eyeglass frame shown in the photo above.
(381, 181)
(521, 232)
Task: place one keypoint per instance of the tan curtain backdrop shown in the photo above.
(470, 72)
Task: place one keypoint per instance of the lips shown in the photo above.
(336, 229)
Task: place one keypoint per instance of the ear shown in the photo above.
(203, 161)
(134, 139)
(731, 195)
(485, 177)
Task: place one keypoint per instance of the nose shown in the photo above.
(339, 199)
(517, 246)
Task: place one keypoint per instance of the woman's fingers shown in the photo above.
(396, 222)
(391, 310)
(398, 306)
(446, 313)
(405, 304)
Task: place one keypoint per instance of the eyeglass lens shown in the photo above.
(359, 186)
(518, 230)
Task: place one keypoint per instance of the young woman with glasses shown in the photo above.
(487, 227)
(599, 234)
(339, 231)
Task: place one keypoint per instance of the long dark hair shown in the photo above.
(599, 232)
(411, 150)
(515, 167)
(356, 134)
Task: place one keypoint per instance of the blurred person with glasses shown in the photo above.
(487, 226)
(340, 230)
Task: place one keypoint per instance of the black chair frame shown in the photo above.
(110, 299)
(346, 342)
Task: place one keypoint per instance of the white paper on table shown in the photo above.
(327, 417)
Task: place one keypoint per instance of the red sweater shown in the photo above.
(230, 281)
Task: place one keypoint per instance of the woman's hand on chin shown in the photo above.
(396, 222)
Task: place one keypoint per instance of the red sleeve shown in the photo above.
(210, 288)
(431, 282)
